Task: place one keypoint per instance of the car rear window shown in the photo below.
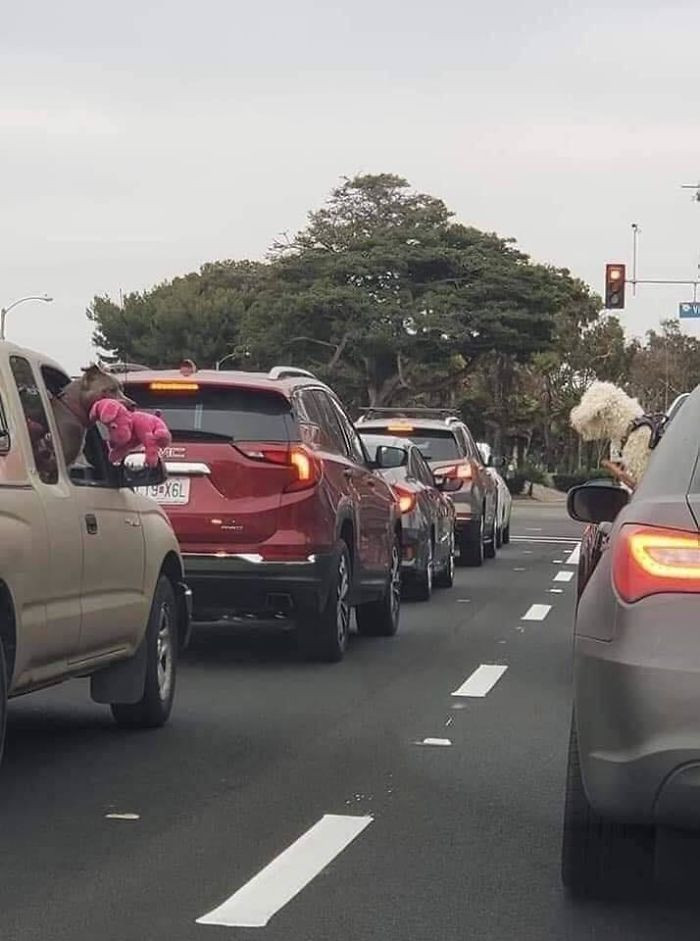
(241, 414)
(435, 444)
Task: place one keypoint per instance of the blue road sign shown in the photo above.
(691, 309)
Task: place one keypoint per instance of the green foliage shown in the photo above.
(565, 482)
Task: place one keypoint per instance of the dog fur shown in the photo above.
(72, 406)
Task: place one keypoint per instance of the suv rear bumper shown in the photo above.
(248, 584)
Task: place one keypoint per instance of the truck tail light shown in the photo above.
(305, 469)
(649, 560)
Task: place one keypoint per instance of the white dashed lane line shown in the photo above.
(536, 612)
(564, 576)
(253, 905)
(483, 679)
(575, 555)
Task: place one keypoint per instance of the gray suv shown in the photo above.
(447, 445)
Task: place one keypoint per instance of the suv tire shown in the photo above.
(323, 636)
(3, 697)
(471, 545)
(491, 543)
(506, 534)
(600, 856)
(380, 618)
(422, 588)
(446, 578)
(153, 709)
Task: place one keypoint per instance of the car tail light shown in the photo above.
(304, 467)
(649, 560)
(463, 471)
(407, 499)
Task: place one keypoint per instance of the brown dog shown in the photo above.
(71, 407)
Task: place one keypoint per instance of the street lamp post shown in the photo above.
(218, 363)
(5, 310)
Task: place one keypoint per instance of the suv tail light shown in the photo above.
(649, 560)
(463, 471)
(407, 499)
(305, 469)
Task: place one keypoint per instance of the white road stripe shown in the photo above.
(253, 905)
(554, 540)
(563, 576)
(435, 741)
(481, 681)
(575, 555)
(536, 612)
(556, 591)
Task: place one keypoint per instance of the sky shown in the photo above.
(139, 140)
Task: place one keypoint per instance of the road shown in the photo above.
(445, 842)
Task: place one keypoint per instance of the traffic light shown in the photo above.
(614, 287)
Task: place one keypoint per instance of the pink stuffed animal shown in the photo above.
(131, 431)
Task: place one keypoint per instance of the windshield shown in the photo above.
(219, 412)
(435, 444)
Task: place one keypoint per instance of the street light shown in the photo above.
(218, 363)
(5, 310)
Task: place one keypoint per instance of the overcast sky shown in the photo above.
(141, 139)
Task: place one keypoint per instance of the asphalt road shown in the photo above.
(445, 842)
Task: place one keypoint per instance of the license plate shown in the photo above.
(173, 492)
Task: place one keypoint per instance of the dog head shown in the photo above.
(96, 384)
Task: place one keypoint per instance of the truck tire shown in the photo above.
(380, 618)
(153, 709)
(599, 856)
(3, 698)
(323, 636)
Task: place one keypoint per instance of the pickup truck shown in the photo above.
(91, 577)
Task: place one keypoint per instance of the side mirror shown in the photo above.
(598, 504)
(388, 457)
(136, 475)
(448, 484)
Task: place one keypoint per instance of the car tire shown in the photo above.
(4, 683)
(154, 707)
(422, 587)
(446, 577)
(323, 636)
(471, 546)
(499, 537)
(490, 543)
(380, 618)
(506, 534)
(599, 856)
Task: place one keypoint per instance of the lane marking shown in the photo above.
(556, 591)
(483, 679)
(575, 556)
(123, 816)
(443, 742)
(254, 904)
(519, 568)
(547, 540)
(536, 612)
(557, 561)
(464, 601)
(563, 576)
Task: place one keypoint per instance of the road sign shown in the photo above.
(691, 309)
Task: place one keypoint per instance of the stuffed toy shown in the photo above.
(606, 412)
(131, 431)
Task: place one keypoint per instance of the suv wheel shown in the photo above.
(600, 856)
(499, 537)
(380, 618)
(471, 545)
(324, 636)
(446, 578)
(153, 709)
(3, 697)
(490, 544)
(506, 533)
(422, 589)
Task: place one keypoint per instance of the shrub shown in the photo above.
(516, 483)
(565, 482)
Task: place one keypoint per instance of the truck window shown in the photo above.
(37, 422)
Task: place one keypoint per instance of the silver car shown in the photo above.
(634, 757)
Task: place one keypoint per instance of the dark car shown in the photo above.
(448, 446)
(278, 511)
(634, 755)
(428, 516)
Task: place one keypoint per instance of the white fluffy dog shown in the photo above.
(606, 412)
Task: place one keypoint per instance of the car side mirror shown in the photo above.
(596, 504)
(136, 475)
(388, 457)
(447, 484)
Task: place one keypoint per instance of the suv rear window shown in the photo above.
(435, 444)
(216, 411)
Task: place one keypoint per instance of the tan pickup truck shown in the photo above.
(91, 578)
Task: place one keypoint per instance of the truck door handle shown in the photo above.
(91, 524)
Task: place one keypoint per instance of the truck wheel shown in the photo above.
(153, 709)
(3, 697)
(471, 545)
(380, 618)
(600, 856)
(324, 636)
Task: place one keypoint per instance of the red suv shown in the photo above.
(275, 503)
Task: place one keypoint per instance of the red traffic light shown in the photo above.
(614, 287)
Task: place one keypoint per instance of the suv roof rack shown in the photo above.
(287, 372)
(409, 412)
(125, 367)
